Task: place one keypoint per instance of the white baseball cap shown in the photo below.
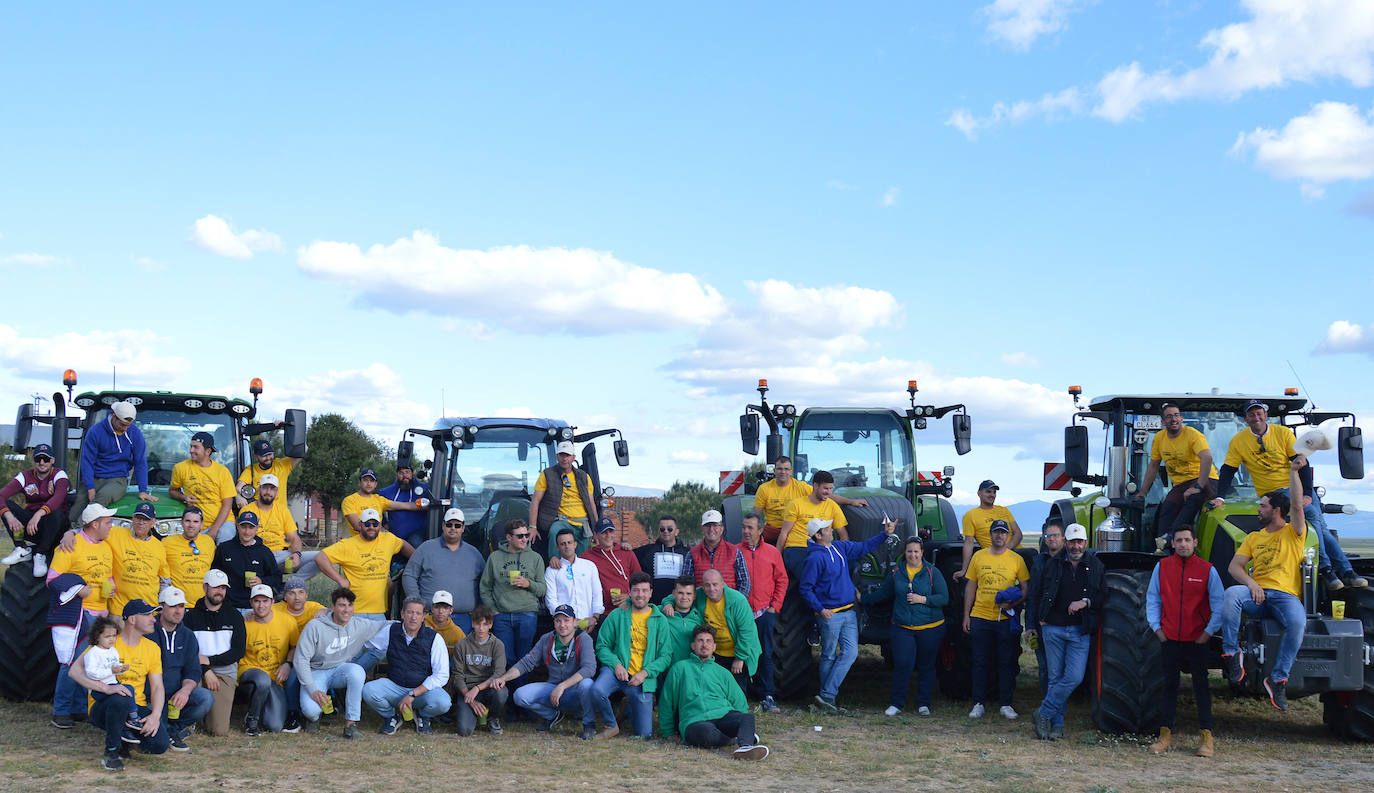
(171, 596)
(1312, 441)
(260, 590)
(269, 479)
(1075, 531)
(815, 525)
(124, 410)
(216, 577)
(711, 516)
(94, 512)
(369, 514)
(441, 597)
(454, 513)
(566, 447)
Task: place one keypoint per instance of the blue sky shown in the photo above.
(625, 215)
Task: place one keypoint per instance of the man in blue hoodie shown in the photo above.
(187, 701)
(828, 588)
(109, 452)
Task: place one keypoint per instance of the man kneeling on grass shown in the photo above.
(703, 705)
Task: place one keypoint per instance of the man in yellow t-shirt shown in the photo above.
(201, 482)
(91, 560)
(978, 521)
(1268, 570)
(365, 559)
(987, 622)
(296, 603)
(266, 671)
(575, 506)
(819, 504)
(367, 498)
(267, 463)
(144, 675)
(277, 530)
(189, 553)
(773, 497)
(1187, 457)
(140, 561)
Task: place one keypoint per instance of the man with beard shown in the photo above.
(187, 700)
(190, 553)
(447, 564)
(267, 463)
(365, 559)
(201, 482)
(366, 498)
(408, 524)
(220, 632)
(277, 530)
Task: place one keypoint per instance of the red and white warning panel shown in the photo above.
(930, 477)
(1057, 477)
(731, 482)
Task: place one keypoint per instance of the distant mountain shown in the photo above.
(1030, 514)
(628, 491)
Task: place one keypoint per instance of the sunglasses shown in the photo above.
(570, 572)
(371, 523)
(524, 536)
(1260, 441)
(667, 528)
(567, 481)
(458, 524)
(195, 549)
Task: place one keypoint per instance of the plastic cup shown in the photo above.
(1338, 609)
(288, 565)
(407, 712)
(107, 589)
(482, 720)
(173, 712)
(514, 574)
(328, 706)
(615, 592)
(582, 624)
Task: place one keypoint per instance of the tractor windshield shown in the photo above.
(860, 449)
(1218, 427)
(504, 461)
(167, 434)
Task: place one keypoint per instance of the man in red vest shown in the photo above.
(1183, 605)
(714, 553)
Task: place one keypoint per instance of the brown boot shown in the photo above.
(1166, 739)
(1208, 747)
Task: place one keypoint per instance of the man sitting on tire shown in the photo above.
(1070, 599)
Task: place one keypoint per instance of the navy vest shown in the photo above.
(408, 664)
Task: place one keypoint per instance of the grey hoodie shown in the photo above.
(324, 644)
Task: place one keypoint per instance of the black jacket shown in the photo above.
(1053, 572)
(236, 559)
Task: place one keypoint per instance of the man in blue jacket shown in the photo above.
(109, 451)
(828, 588)
(409, 525)
(186, 698)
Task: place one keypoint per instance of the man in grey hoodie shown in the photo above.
(324, 658)
(570, 656)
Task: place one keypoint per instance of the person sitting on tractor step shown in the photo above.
(633, 648)
(1271, 587)
(819, 504)
(666, 559)
(767, 587)
(478, 659)
(447, 563)
(991, 628)
(187, 700)
(222, 636)
(701, 705)
(202, 482)
(189, 553)
(1052, 534)
(36, 523)
(1188, 459)
(278, 531)
(365, 559)
(777, 493)
(1183, 605)
(325, 662)
(1265, 451)
(109, 452)
(570, 657)
(87, 568)
(828, 589)
(416, 672)
(1070, 601)
(576, 582)
(918, 594)
(247, 562)
(266, 671)
(574, 506)
(714, 553)
(408, 524)
(267, 463)
(977, 523)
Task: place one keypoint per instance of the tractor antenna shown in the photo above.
(443, 406)
(114, 376)
(1313, 402)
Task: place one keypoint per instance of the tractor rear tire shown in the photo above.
(28, 667)
(1351, 715)
(954, 664)
(795, 670)
(1126, 679)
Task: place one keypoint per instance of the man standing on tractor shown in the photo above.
(1183, 605)
(202, 482)
(666, 560)
(819, 504)
(109, 451)
(1265, 451)
(1070, 599)
(985, 620)
(1188, 459)
(574, 505)
(1271, 587)
(776, 494)
(767, 587)
(267, 463)
(977, 523)
(35, 524)
(714, 553)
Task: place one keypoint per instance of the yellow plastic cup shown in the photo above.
(173, 712)
(107, 589)
(514, 574)
(582, 624)
(1338, 609)
(407, 712)
(288, 565)
(248, 578)
(328, 706)
(615, 592)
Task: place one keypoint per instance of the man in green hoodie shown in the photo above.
(512, 585)
(701, 704)
(729, 615)
(677, 607)
(633, 646)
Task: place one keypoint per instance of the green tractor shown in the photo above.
(167, 421)
(871, 453)
(1337, 656)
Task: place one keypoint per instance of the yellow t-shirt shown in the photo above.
(451, 632)
(994, 573)
(715, 617)
(138, 564)
(639, 640)
(93, 561)
(188, 567)
(802, 511)
(281, 468)
(570, 503)
(357, 502)
(1275, 559)
(307, 614)
(977, 520)
(265, 647)
(1268, 470)
(773, 500)
(274, 523)
(144, 659)
(210, 485)
(1179, 455)
(366, 565)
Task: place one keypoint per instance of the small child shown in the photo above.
(102, 662)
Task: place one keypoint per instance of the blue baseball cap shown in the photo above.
(605, 524)
(988, 483)
(998, 525)
(368, 472)
(1254, 403)
(565, 610)
(248, 518)
(43, 450)
(146, 510)
(261, 447)
(204, 439)
(138, 606)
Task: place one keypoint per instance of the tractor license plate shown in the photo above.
(1148, 422)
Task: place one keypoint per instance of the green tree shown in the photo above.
(12, 462)
(752, 480)
(338, 451)
(684, 501)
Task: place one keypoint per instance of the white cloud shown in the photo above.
(1342, 337)
(688, 456)
(216, 235)
(1020, 359)
(371, 397)
(1068, 102)
(583, 291)
(1331, 143)
(890, 196)
(31, 259)
(1020, 22)
(133, 352)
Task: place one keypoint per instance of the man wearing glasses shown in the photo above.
(447, 564)
(666, 559)
(576, 582)
(1188, 459)
(512, 585)
(365, 559)
(109, 451)
(190, 553)
(575, 505)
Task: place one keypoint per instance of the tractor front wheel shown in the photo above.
(1126, 680)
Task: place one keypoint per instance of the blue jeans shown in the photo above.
(348, 676)
(576, 700)
(914, 650)
(1042, 665)
(839, 648)
(111, 713)
(515, 629)
(640, 701)
(67, 697)
(763, 679)
(991, 637)
(198, 703)
(1281, 606)
(384, 694)
(1329, 552)
(1066, 650)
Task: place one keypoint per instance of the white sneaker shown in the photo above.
(923, 710)
(892, 710)
(19, 554)
(977, 712)
(40, 565)
(1008, 712)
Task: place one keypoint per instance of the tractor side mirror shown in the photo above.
(1350, 452)
(404, 451)
(1076, 451)
(522, 451)
(23, 427)
(293, 432)
(749, 433)
(963, 433)
(774, 448)
(622, 452)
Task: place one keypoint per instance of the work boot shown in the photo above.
(1166, 740)
(1352, 579)
(1333, 584)
(1208, 747)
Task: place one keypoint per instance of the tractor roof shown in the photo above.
(1233, 403)
(166, 400)
(484, 423)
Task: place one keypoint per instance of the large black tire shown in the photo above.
(28, 667)
(1351, 714)
(795, 671)
(954, 664)
(1124, 664)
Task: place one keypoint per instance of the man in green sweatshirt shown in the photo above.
(513, 584)
(633, 646)
(701, 703)
(677, 607)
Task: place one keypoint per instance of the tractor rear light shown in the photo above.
(911, 386)
(763, 383)
(949, 471)
(472, 429)
(1075, 390)
(85, 402)
(240, 408)
(790, 410)
(567, 433)
(216, 404)
(133, 400)
(69, 378)
(108, 399)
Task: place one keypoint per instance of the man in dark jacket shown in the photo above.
(222, 637)
(1053, 535)
(570, 657)
(187, 701)
(247, 562)
(1069, 601)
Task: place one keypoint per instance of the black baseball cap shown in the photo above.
(565, 610)
(138, 606)
(247, 517)
(261, 447)
(999, 525)
(146, 510)
(988, 483)
(205, 439)
(368, 472)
